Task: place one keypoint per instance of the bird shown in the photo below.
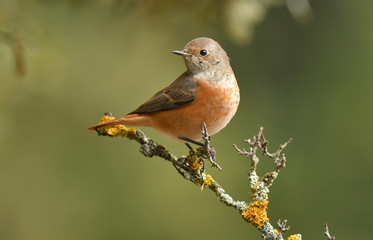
(206, 93)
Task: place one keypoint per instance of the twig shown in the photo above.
(282, 227)
(327, 234)
(260, 185)
(209, 150)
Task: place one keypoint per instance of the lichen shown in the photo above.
(207, 182)
(116, 130)
(194, 160)
(106, 118)
(256, 213)
(295, 237)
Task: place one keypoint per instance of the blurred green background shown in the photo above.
(303, 73)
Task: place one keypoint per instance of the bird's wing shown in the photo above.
(182, 91)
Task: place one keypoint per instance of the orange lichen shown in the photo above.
(295, 237)
(106, 118)
(194, 160)
(207, 182)
(116, 130)
(256, 213)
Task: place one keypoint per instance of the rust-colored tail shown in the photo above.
(108, 123)
(129, 120)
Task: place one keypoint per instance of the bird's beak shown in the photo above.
(182, 53)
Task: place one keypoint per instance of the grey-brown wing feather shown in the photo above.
(182, 91)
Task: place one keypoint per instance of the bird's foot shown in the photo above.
(179, 170)
(193, 153)
(208, 151)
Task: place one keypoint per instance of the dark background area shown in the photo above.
(64, 63)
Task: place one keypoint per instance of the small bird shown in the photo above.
(206, 93)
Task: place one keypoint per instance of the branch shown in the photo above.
(209, 150)
(188, 166)
(282, 227)
(191, 167)
(260, 185)
(327, 234)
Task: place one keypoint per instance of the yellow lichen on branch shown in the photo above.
(256, 213)
(106, 118)
(206, 182)
(295, 237)
(194, 160)
(116, 130)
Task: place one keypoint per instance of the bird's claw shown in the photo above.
(208, 151)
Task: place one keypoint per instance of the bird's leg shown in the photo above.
(179, 170)
(209, 151)
(188, 140)
(188, 145)
(187, 167)
(192, 151)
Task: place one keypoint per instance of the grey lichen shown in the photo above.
(268, 232)
(228, 200)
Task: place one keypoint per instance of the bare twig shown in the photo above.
(327, 234)
(282, 227)
(209, 150)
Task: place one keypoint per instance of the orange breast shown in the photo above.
(215, 105)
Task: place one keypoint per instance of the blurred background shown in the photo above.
(304, 69)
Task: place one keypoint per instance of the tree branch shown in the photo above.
(188, 166)
(191, 167)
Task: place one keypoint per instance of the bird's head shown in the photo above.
(203, 55)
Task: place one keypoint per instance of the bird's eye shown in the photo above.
(203, 52)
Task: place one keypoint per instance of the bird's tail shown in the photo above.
(129, 120)
(108, 123)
